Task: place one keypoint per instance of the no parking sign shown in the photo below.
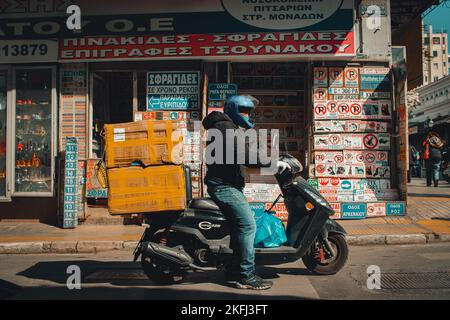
(336, 77)
(320, 77)
(351, 77)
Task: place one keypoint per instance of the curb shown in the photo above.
(72, 247)
(65, 247)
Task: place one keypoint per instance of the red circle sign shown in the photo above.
(382, 156)
(320, 168)
(320, 110)
(370, 141)
(360, 157)
(338, 158)
(356, 109)
(351, 73)
(332, 106)
(343, 108)
(334, 139)
(335, 181)
(370, 157)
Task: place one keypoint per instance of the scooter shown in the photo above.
(198, 238)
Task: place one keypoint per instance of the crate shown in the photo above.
(143, 190)
(151, 142)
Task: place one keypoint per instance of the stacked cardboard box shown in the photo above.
(156, 186)
(188, 122)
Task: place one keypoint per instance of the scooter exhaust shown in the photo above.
(174, 255)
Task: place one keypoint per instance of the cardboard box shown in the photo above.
(152, 142)
(151, 189)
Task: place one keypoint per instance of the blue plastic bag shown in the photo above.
(270, 231)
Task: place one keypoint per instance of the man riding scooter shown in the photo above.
(225, 182)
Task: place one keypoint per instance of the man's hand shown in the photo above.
(282, 166)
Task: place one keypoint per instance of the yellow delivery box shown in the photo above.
(141, 190)
(152, 142)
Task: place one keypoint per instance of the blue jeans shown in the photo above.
(242, 223)
(433, 167)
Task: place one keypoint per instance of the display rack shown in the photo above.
(33, 139)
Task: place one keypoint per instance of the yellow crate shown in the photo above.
(152, 142)
(143, 190)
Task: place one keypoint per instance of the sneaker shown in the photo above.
(254, 282)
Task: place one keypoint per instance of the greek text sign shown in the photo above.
(35, 19)
(208, 45)
(173, 90)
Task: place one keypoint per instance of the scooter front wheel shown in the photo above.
(316, 263)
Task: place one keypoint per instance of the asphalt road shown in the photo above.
(407, 272)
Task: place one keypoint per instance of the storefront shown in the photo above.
(323, 81)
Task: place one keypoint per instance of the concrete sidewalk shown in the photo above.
(428, 220)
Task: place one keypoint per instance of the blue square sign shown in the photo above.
(353, 210)
(395, 209)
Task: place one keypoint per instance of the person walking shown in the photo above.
(432, 154)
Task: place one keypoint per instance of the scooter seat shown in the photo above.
(203, 204)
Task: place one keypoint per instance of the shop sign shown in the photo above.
(173, 90)
(47, 19)
(206, 45)
(353, 210)
(28, 51)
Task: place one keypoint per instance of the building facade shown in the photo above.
(435, 55)
(324, 75)
(432, 112)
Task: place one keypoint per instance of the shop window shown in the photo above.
(33, 135)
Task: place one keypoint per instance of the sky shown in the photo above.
(439, 17)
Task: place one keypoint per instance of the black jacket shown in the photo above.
(230, 173)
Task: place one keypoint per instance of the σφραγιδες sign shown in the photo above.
(173, 90)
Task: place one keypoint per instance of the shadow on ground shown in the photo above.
(126, 280)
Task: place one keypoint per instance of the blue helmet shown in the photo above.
(237, 104)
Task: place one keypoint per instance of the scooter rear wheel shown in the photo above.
(328, 267)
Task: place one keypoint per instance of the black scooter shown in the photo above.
(198, 238)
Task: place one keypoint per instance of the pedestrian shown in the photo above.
(432, 154)
(225, 182)
(414, 163)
